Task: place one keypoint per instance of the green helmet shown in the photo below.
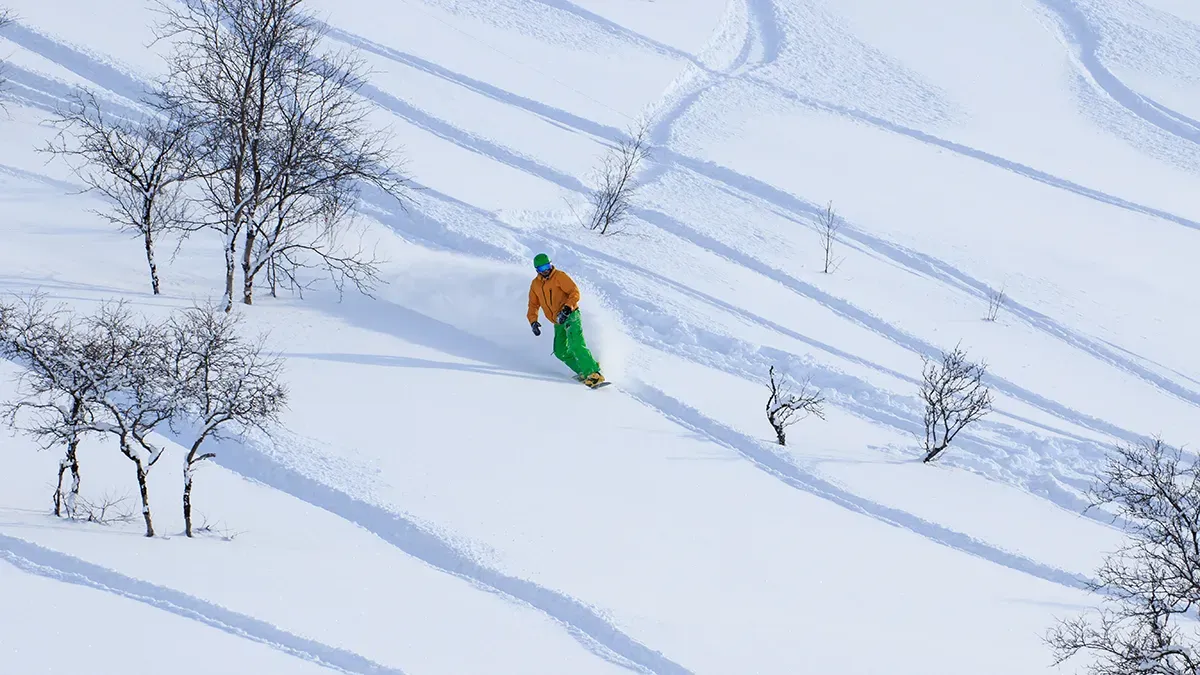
(541, 260)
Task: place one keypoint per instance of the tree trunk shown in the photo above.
(248, 268)
(187, 500)
(65, 503)
(150, 260)
(145, 492)
(230, 268)
(58, 491)
(72, 460)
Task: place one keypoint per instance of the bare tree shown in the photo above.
(955, 397)
(52, 404)
(222, 72)
(327, 151)
(228, 382)
(64, 374)
(137, 166)
(829, 224)
(996, 300)
(1151, 586)
(148, 395)
(787, 406)
(616, 180)
(281, 133)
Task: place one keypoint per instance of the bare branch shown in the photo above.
(616, 178)
(1152, 585)
(829, 224)
(147, 394)
(57, 390)
(283, 137)
(955, 397)
(228, 382)
(996, 301)
(786, 406)
(138, 166)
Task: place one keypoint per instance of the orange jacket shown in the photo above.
(551, 295)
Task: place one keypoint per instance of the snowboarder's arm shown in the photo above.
(572, 290)
(533, 305)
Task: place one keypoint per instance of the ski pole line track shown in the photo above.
(38, 560)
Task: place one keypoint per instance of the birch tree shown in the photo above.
(55, 388)
(282, 133)
(228, 383)
(139, 167)
(148, 394)
(1151, 586)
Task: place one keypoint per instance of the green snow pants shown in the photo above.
(570, 348)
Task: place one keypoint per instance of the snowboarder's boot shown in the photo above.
(594, 380)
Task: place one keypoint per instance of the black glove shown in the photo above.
(563, 314)
(537, 328)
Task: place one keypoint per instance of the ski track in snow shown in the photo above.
(584, 623)
(767, 34)
(1082, 37)
(859, 397)
(920, 263)
(1068, 457)
(560, 118)
(618, 31)
(753, 450)
(87, 66)
(35, 559)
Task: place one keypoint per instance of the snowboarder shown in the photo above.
(558, 297)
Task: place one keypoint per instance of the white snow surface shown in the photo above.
(442, 498)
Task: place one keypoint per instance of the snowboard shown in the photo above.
(599, 386)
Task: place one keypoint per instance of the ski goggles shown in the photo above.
(544, 268)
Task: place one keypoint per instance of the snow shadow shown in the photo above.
(792, 475)
(585, 624)
(44, 562)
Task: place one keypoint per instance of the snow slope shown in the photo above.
(443, 499)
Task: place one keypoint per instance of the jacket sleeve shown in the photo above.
(532, 314)
(572, 291)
